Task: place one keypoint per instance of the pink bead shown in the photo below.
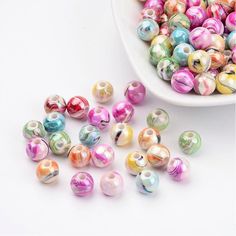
(99, 117)
(178, 168)
(150, 13)
(217, 11)
(37, 149)
(214, 25)
(55, 103)
(135, 92)
(102, 155)
(123, 111)
(112, 183)
(213, 72)
(164, 29)
(234, 55)
(191, 3)
(158, 5)
(231, 21)
(82, 184)
(200, 38)
(196, 15)
(182, 81)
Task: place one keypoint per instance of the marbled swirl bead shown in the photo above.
(217, 58)
(158, 5)
(231, 40)
(217, 43)
(231, 21)
(172, 7)
(149, 13)
(55, 103)
(123, 111)
(179, 20)
(33, 129)
(197, 15)
(200, 38)
(54, 122)
(179, 35)
(89, 135)
(214, 25)
(163, 41)
(226, 82)
(158, 52)
(102, 91)
(216, 10)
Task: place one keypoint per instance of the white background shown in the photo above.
(63, 47)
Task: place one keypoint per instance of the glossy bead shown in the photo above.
(165, 29)
(197, 15)
(102, 91)
(99, 117)
(111, 183)
(216, 10)
(217, 43)
(200, 38)
(227, 4)
(234, 55)
(123, 111)
(230, 69)
(37, 149)
(226, 83)
(158, 155)
(79, 156)
(59, 143)
(179, 35)
(182, 52)
(179, 20)
(121, 134)
(147, 137)
(214, 25)
(136, 162)
(147, 182)
(158, 52)
(231, 40)
(150, 13)
(228, 55)
(89, 135)
(166, 67)
(47, 171)
(199, 61)
(158, 119)
(231, 21)
(190, 142)
(204, 84)
(78, 107)
(147, 29)
(135, 92)
(182, 81)
(217, 58)
(54, 122)
(33, 129)
(162, 40)
(158, 5)
(172, 7)
(191, 3)
(213, 72)
(102, 155)
(82, 184)
(178, 168)
(55, 103)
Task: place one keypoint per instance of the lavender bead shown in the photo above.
(123, 111)
(197, 15)
(214, 25)
(200, 38)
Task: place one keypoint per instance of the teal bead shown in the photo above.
(33, 129)
(158, 52)
(181, 53)
(190, 142)
(147, 29)
(178, 36)
(89, 135)
(54, 122)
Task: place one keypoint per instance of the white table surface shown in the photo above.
(63, 47)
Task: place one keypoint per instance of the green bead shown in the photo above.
(158, 52)
(59, 143)
(33, 129)
(179, 20)
(158, 119)
(190, 142)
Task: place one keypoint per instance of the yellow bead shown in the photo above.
(226, 82)
(162, 40)
(230, 68)
(136, 162)
(102, 91)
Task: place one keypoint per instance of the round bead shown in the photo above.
(37, 149)
(217, 58)
(230, 69)
(228, 5)
(216, 10)
(178, 168)
(166, 67)
(147, 182)
(199, 61)
(59, 143)
(204, 84)
(217, 43)
(182, 81)
(182, 52)
(214, 25)
(79, 156)
(136, 162)
(179, 20)
(102, 91)
(200, 38)
(112, 183)
(78, 107)
(99, 117)
(178, 36)
(102, 155)
(174, 6)
(234, 55)
(158, 52)
(55, 103)
(82, 184)
(54, 122)
(191, 3)
(135, 92)
(158, 155)
(158, 5)
(33, 129)
(89, 135)
(150, 13)
(162, 40)
(189, 142)
(231, 21)
(197, 15)
(231, 40)
(147, 29)
(158, 119)
(147, 137)
(226, 83)
(121, 134)
(47, 171)
(123, 111)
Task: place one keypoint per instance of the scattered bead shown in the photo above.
(89, 135)
(123, 111)
(102, 91)
(55, 103)
(33, 129)
(54, 122)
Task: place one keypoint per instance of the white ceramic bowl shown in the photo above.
(126, 14)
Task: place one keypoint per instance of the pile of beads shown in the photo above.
(50, 137)
(191, 42)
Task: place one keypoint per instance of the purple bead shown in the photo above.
(99, 117)
(135, 92)
(178, 168)
(231, 21)
(191, 3)
(214, 25)
(82, 184)
(196, 15)
(200, 38)
(123, 111)
(182, 81)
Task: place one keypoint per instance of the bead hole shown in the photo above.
(186, 50)
(190, 135)
(102, 84)
(121, 126)
(79, 148)
(147, 174)
(82, 176)
(135, 84)
(47, 163)
(98, 110)
(111, 176)
(55, 98)
(158, 113)
(150, 132)
(90, 128)
(60, 144)
(37, 141)
(150, 12)
(54, 115)
(136, 156)
(33, 124)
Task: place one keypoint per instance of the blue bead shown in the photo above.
(89, 135)
(54, 122)
(147, 29)
(178, 36)
(181, 53)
